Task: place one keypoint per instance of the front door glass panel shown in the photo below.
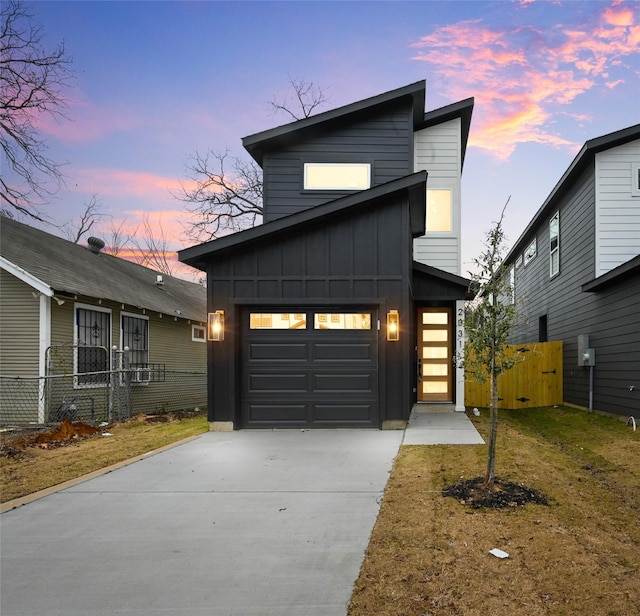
(435, 355)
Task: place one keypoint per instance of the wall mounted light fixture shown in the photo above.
(215, 325)
(393, 325)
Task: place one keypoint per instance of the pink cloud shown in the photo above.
(85, 122)
(522, 77)
(119, 182)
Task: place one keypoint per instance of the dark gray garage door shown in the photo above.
(314, 368)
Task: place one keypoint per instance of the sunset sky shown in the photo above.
(157, 81)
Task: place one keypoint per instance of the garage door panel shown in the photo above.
(266, 352)
(361, 384)
(277, 413)
(343, 352)
(278, 382)
(336, 413)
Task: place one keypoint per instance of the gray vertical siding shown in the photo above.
(611, 317)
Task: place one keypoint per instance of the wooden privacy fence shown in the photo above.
(535, 379)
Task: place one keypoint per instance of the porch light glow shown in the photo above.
(393, 325)
(215, 325)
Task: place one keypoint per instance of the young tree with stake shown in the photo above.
(489, 321)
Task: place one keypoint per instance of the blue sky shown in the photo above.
(156, 81)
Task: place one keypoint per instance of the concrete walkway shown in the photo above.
(440, 425)
(243, 523)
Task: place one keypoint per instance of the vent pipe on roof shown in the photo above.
(95, 245)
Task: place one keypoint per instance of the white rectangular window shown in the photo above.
(439, 210)
(337, 176)
(554, 244)
(198, 333)
(530, 252)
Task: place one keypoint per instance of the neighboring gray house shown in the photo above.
(66, 309)
(344, 308)
(576, 274)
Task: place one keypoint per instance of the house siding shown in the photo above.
(19, 339)
(437, 150)
(338, 264)
(617, 210)
(383, 139)
(170, 346)
(610, 318)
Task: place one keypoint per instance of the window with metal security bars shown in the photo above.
(135, 337)
(93, 338)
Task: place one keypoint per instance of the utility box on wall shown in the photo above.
(586, 355)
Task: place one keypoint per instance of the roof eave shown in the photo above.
(616, 275)
(462, 109)
(583, 159)
(415, 184)
(255, 144)
(26, 277)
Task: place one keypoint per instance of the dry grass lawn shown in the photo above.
(429, 555)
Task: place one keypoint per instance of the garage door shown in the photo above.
(314, 368)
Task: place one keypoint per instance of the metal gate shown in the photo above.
(85, 383)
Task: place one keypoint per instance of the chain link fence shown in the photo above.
(95, 395)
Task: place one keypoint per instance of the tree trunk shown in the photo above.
(493, 432)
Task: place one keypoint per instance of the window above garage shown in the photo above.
(321, 320)
(337, 176)
(342, 320)
(277, 320)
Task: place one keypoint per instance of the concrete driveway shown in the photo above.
(242, 523)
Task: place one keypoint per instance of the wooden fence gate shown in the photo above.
(536, 380)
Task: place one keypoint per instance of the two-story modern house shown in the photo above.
(576, 273)
(342, 309)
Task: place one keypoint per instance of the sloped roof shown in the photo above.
(257, 143)
(414, 184)
(431, 283)
(462, 109)
(583, 159)
(71, 269)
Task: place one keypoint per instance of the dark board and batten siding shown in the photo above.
(610, 318)
(383, 139)
(342, 264)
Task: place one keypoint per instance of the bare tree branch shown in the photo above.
(222, 202)
(89, 217)
(307, 97)
(152, 248)
(31, 83)
(120, 237)
(228, 193)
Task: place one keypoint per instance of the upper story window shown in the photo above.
(337, 176)
(531, 251)
(439, 210)
(554, 244)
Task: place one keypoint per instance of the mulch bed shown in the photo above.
(503, 494)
